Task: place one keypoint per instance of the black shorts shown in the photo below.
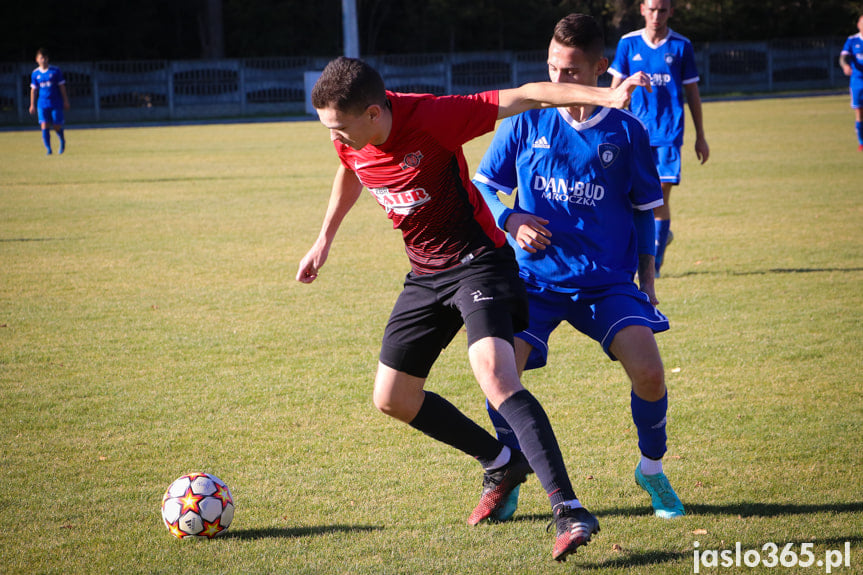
(485, 294)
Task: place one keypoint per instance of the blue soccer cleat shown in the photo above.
(665, 502)
(507, 509)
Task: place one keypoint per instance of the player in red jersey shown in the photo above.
(406, 149)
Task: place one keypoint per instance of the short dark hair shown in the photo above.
(350, 85)
(44, 52)
(580, 31)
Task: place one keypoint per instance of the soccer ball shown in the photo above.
(197, 505)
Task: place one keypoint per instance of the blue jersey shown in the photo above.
(48, 84)
(670, 64)
(585, 178)
(854, 47)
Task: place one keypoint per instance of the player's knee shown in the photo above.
(397, 405)
(384, 401)
(649, 383)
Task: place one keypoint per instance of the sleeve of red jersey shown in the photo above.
(454, 120)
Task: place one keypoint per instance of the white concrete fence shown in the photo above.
(161, 90)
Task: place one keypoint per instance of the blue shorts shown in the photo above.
(52, 115)
(599, 315)
(856, 93)
(667, 160)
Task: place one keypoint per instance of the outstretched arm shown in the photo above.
(553, 95)
(346, 190)
(693, 98)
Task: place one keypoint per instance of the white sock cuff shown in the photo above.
(650, 466)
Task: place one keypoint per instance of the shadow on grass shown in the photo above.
(629, 559)
(291, 532)
(726, 272)
(22, 240)
(637, 559)
(746, 509)
(742, 509)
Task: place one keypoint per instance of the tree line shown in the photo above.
(184, 29)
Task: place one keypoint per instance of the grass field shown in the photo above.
(150, 326)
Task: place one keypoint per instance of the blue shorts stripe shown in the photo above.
(856, 89)
(667, 159)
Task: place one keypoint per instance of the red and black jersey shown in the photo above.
(420, 177)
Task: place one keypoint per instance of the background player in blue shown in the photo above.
(851, 60)
(581, 227)
(48, 95)
(669, 60)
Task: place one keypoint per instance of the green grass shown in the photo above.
(150, 326)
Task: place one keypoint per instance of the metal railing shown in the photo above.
(162, 90)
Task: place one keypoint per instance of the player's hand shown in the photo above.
(650, 291)
(312, 262)
(845, 70)
(623, 93)
(702, 150)
(32, 110)
(529, 231)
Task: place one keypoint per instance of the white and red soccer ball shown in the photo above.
(197, 505)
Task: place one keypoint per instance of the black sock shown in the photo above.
(533, 430)
(441, 420)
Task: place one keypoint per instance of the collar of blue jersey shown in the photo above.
(658, 44)
(596, 117)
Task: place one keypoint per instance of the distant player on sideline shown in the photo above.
(669, 60)
(406, 149)
(48, 96)
(581, 227)
(851, 60)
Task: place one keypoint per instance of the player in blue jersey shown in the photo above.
(669, 60)
(48, 97)
(581, 227)
(851, 60)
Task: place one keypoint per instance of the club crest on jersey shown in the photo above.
(669, 59)
(607, 154)
(412, 160)
(401, 203)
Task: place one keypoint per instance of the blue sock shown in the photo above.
(505, 434)
(859, 126)
(662, 229)
(649, 419)
(62, 140)
(46, 139)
